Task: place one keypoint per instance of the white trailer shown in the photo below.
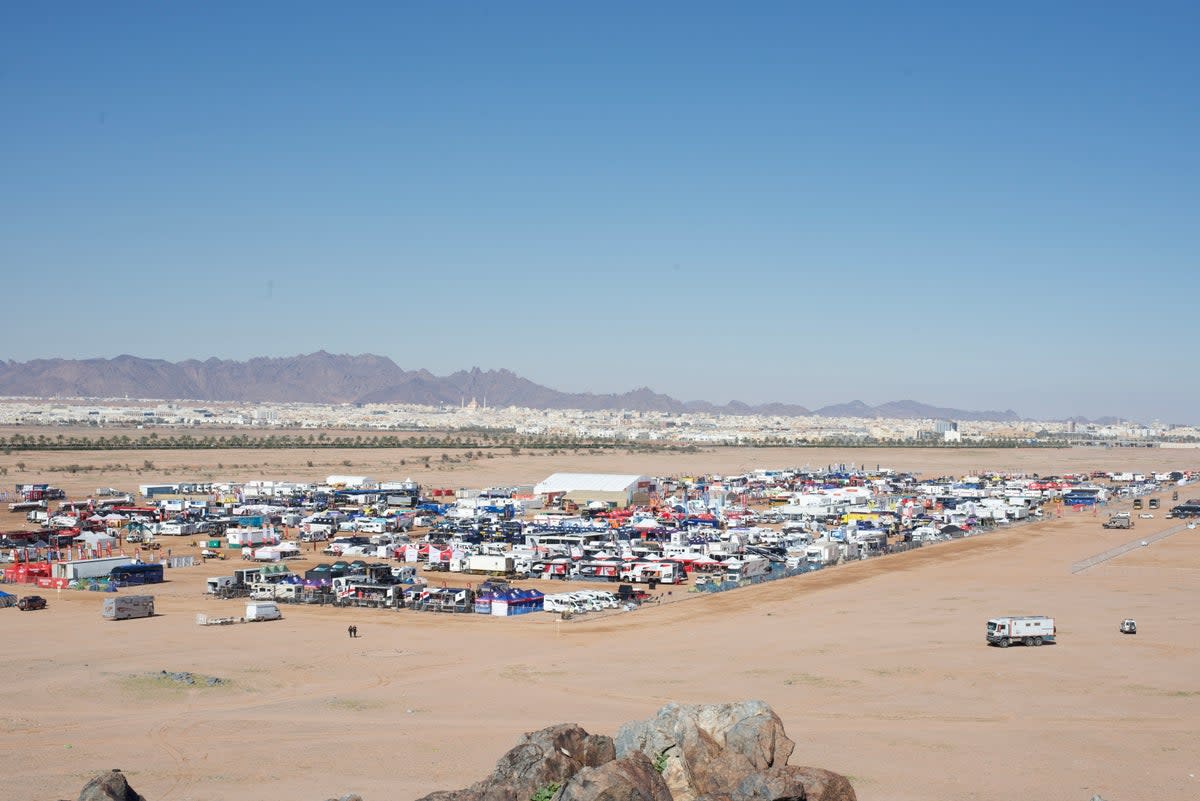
(822, 552)
(271, 553)
(489, 564)
(250, 537)
(1024, 629)
(125, 607)
(89, 568)
(852, 549)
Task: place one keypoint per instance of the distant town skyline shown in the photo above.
(972, 208)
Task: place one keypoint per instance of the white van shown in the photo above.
(262, 610)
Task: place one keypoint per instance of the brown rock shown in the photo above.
(792, 781)
(632, 778)
(549, 756)
(708, 748)
(451, 795)
(777, 784)
(111, 786)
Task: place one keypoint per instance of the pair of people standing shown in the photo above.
(352, 631)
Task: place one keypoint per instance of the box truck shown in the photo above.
(125, 607)
(1026, 629)
(822, 552)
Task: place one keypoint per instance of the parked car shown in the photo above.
(31, 602)
(1128, 626)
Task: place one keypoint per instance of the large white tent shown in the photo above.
(584, 488)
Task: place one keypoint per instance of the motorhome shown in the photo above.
(654, 572)
(126, 607)
(746, 569)
(1024, 629)
(178, 529)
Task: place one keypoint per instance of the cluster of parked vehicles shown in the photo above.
(581, 602)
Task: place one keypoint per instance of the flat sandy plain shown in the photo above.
(878, 669)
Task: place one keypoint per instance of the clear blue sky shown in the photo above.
(976, 208)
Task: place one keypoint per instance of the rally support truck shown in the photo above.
(1025, 629)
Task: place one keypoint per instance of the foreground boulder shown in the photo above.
(631, 778)
(708, 749)
(541, 759)
(111, 786)
(793, 782)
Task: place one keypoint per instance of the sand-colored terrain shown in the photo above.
(878, 669)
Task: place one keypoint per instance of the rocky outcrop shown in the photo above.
(707, 749)
(793, 782)
(541, 759)
(111, 786)
(686, 752)
(630, 778)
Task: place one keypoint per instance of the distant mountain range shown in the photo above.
(330, 378)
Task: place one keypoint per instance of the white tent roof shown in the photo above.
(595, 482)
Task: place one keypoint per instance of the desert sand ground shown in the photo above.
(878, 669)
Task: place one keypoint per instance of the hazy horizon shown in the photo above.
(972, 208)
(719, 401)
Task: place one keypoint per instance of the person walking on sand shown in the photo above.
(350, 631)
(355, 632)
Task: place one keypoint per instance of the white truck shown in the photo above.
(125, 607)
(1024, 629)
(822, 552)
(262, 610)
(737, 570)
(215, 584)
